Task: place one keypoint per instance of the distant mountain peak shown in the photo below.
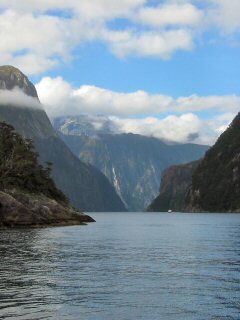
(84, 124)
(11, 77)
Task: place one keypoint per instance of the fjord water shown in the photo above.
(125, 266)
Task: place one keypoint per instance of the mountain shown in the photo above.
(175, 184)
(86, 187)
(87, 125)
(215, 184)
(133, 163)
(210, 185)
(28, 195)
(11, 77)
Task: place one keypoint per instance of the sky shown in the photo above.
(167, 68)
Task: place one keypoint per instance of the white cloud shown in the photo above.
(91, 9)
(184, 14)
(155, 44)
(182, 129)
(91, 99)
(36, 39)
(34, 43)
(196, 103)
(224, 14)
(185, 128)
(119, 108)
(172, 128)
(219, 123)
(18, 98)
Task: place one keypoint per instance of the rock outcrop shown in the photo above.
(28, 195)
(18, 209)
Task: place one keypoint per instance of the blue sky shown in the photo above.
(167, 68)
(211, 69)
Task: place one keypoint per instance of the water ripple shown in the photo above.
(125, 266)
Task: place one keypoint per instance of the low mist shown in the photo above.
(18, 98)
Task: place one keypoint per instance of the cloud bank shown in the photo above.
(140, 112)
(91, 99)
(18, 98)
(186, 128)
(36, 36)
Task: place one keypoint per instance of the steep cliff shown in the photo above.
(210, 185)
(133, 163)
(216, 182)
(87, 188)
(175, 184)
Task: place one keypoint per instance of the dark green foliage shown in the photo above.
(216, 182)
(19, 167)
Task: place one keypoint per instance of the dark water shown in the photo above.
(125, 266)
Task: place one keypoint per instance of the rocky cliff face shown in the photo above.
(11, 78)
(132, 163)
(174, 187)
(216, 182)
(87, 188)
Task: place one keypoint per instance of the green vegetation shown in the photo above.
(213, 185)
(216, 182)
(19, 167)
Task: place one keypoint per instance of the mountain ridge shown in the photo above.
(11, 77)
(133, 163)
(213, 185)
(87, 188)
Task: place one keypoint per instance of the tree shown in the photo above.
(19, 167)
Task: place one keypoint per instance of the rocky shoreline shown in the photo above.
(18, 209)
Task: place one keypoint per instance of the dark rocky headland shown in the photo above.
(21, 209)
(28, 195)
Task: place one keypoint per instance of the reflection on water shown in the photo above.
(125, 266)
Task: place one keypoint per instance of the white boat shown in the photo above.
(169, 211)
